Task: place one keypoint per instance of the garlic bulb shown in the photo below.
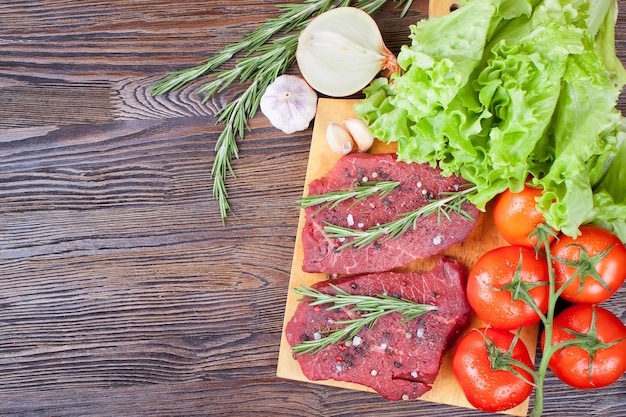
(360, 133)
(341, 51)
(339, 140)
(289, 103)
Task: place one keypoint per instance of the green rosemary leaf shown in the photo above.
(358, 192)
(451, 203)
(293, 16)
(371, 308)
(235, 116)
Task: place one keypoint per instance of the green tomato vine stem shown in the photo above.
(549, 349)
(547, 321)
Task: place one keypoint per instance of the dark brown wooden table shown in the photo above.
(121, 292)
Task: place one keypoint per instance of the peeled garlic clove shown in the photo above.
(289, 103)
(341, 51)
(360, 132)
(339, 140)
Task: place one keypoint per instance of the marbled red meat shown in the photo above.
(419, 184)
(397, 359)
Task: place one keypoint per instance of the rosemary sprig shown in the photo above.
(452, 203)
(358, 192)
(293, 16)
(261, 63)
(277, 57)
(370, 307)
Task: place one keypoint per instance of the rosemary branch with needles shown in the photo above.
(358, 192)
(451, 203)
(266, 53)
(370, 307)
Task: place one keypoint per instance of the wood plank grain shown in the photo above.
(121, 293)
(97, 61)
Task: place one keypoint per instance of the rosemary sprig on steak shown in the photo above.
(370, 309)
(359, 192)
(451, 203)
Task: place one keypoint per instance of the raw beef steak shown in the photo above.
(419, 184)
(397, 359)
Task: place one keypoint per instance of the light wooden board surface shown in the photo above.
(483, 238)
(441, 7)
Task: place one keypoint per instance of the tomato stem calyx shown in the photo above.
(520, 289)
(588, 341)
(503, 361)
(585, 267)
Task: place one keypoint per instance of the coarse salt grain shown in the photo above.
(414, 374)
(356, 341)
(374, 372)
(350, 219)
(437, 240)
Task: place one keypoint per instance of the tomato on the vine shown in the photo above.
(516, 216)
(606, 341)
(494, 287)
(598, 276)
(485, 388)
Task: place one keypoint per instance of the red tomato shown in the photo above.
(516, 216)
(485, 388)
(592, 241)
(571, 364)
(497, 269)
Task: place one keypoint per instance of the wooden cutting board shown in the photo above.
(483, 238)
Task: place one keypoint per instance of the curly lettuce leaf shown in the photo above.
(518, 89)
(443, 55)
(584, 137)
(498, 91)
(610, 192)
